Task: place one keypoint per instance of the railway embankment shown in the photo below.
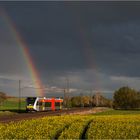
(32, 115)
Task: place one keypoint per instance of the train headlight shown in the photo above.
(30, 107)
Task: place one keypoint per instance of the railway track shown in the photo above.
(33, 115)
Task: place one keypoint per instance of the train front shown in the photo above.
(30, 103)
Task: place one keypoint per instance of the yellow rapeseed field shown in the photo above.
(74, 127)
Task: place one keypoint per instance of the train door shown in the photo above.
(61, 104)
(57, 105)
(40, 106)
(43, 106)
(47, 105)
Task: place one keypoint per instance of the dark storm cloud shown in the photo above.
(53, 30)
(118, 51)
(77, 37)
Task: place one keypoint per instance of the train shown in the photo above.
(43, 104)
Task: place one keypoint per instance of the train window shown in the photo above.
(48, 104)
(40, 103)
(57, 103)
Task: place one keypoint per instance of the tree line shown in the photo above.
(87, 101)
(124, 98)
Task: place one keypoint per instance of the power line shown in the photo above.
(19, 107)
(66, 93)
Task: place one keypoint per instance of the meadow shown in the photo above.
(105, 125)
(12, 104)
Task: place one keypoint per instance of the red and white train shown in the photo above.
(43, 104)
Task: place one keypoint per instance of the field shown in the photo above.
(12, 104)
(106, 125)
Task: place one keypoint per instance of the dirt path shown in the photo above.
(92, 111)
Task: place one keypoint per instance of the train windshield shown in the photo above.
(30, 100)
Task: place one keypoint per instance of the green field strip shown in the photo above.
(13, 104)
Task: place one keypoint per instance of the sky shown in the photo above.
(95, 45)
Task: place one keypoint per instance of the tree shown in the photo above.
(2, 97)
(90, 101)
(125, 98)
(76, 101)
(80, 101)
(99, 100)
(85, 101)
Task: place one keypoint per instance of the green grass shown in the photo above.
(119, 112)
(13, 104)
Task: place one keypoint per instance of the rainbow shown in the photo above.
(88, 52)
(90, 59)
(38, 86)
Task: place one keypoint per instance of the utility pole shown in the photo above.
(65, 97)
(19, 105)
(67, 80)
(91, 98)
(66, 92)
